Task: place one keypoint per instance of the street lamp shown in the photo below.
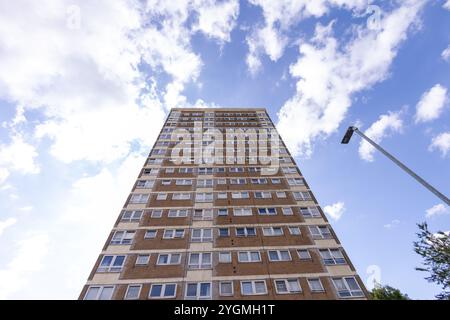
(346, 140)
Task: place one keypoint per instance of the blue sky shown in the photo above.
(85, 88)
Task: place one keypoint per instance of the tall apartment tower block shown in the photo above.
(221, 230)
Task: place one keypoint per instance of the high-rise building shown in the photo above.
(238, 227)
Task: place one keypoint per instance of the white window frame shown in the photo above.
(183, 182)
(332, 256)
(280, 257)
(111, 267)
(145, 184)
(128, 290)
(142, 256)
(173, 234)
(246, 233)
(132, 214)
(206, 214)
(313, 212)
(222, 210)
(289, 210)
(249, 256)
(124, 237)
(181, 196)
(320, 234)
(169, 259)
(100, 292)
(303, 258)
(266, 211)
(222, 196)
(163, 290)
(202, 237)
(272, 231)
(178, 213)
(150, 230)
(204, 197)
(225, 253)
(139, 198)
(162, 196)
(229, 294)
(295, 230)
(198, 290)
(264, 195)
(253, 283)
(240, 195)
(228, 232)
(351, 292)
(302, 196)
(156, 213)
(281, 195)
(287, 283)
(319, 282)
(201, 264)
(242, 212)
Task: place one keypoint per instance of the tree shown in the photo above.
(435, 250)
(387, 293)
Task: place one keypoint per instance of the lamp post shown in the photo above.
(347, 138)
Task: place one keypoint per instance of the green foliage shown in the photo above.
(387, 293)
(435, 250)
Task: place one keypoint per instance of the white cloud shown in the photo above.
(4, 224)
(81, 75)
(335, 211)
(271, 38)
(447, 5)
(437, 210)
(431, 104)
(446, 54)
(17, 156)
(392, 224)
(330, 73)
(28, 259)
(441, 142)
(385, 125)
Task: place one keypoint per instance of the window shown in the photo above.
(315, 285)
(236, 169)
(259, 181)
(201, 235)
(186, 170)
(242, 211)
(150, 234)
(154, 160)
(221, 181)
(169, 258)
(133, 292)
(240, 195)
(170, 170)
(276, 181)
(238, 181)
(302, 196)
(178, 213)
(181, 196)
(281, 195)
(255, 287)
(332, 256)
(224, 232)
(166, 182)
(161, 196)
(142, 259)
(222, 195)
(173, 234)
(122, 237)
(287, 211)
(279, 255)
(99, 293)
(139, 198)
(295, 182)
(111, 264)
(320, 232)
(204, 197)
(145, 184)
(225, 257)
(263, 195)
(289, 169)
(205, 171)
(150, 172)
(222, 212)
(198, 290)
(200, 260)
(131, 216)
(156, 213)
(220, 170)
(205, 183)
(226, 288)
(166, 290)
(254, 169)
(183, 182)
(347, 287)
(304, 254)
(246, 232)
(311, 212)
(273, 231)
(286, 286)
(267, 211)
(249, 256)
(203, 214)
(295, 231)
